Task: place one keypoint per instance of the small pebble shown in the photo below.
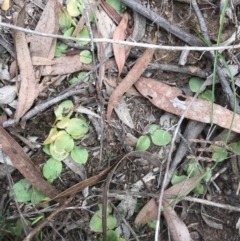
(224, 176)
(227, 191)
(209, 197)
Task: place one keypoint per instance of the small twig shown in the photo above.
(37, 109)
(179, 69)
(48, 219)
(100, 40)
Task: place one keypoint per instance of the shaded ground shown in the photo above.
(109, 145)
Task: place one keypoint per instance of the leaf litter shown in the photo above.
(70, 64)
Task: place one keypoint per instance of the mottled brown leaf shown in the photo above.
(171, 100)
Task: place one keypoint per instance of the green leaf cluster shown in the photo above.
(24, 192)
(60, 141)
(191, 169)
(195, 84)
(158, 136)
(67, 26)
(96, 224)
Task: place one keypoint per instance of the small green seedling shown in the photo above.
(60, 49)
(83, 34)
(159, 138)
(191, 169)
(74, 8)
(86, 57)
(96, 224)
(60, 142)
(220, 153)
(195, 84)
(79, 76)
(117, 5)
(24, 192)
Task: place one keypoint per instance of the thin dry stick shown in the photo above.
(100, 40)
(44, 106)
(45, 222)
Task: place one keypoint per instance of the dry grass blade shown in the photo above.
(130, 79)
(29, 87)
(118, 49)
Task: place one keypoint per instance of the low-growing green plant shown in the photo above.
(96, 224)
(195, 84)
(159, 138)
(192, 169)
(60, 141)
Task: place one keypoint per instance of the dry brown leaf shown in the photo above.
(24, 164)
(132, 76)
(66, 65)
(48, 23)
(171, 100)
(29, 86)
(119, 49)
(150, 210)
(177, 228)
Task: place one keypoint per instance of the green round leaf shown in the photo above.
(235, 147)
(111, 222)
(220, 153)
(199, 189)
(74, 8)
(79, 155)
(37, 197)
(83, 34)
(153, 128)
(46, 149)
(63, 142)
(177, 179)
(77, 128)
(112, 235)
(73, 80)
(117, 5)
(52, 169)
(96, 223)
(206, 95)
(86, 57)
(65, 109)
(69, 32)
(195, 84)
(143, 143)
(23, 190)
(64, 20)
(60, 49)
(63, 123)
(82, 74)
(161, 138)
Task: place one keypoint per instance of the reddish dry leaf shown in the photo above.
(119, 49)
(24, 164)
(29, 87)
(150, 210)
(132, 76)
(49, 23)
(171, 100)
